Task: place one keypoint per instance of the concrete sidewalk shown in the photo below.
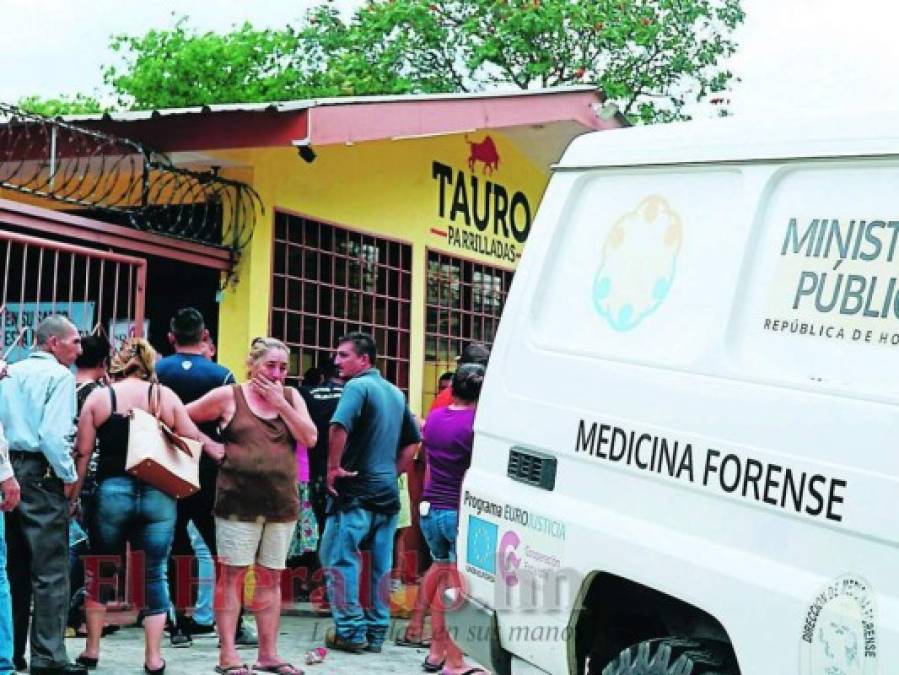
(123, 652)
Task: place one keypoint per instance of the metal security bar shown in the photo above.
(100, 292)
(128, 183)
(464, 303)
(327, 281)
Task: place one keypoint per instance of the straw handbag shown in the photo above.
(159, 456)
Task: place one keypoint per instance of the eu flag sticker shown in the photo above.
(482, 536)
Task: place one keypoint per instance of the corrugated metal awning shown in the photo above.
(351, 120)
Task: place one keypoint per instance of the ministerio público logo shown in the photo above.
(639, 261)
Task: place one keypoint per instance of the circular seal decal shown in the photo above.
(639, 260)
(839, 636)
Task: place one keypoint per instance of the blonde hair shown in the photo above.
(260, 346)
(136, 358)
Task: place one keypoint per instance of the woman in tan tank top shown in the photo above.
(256, 504)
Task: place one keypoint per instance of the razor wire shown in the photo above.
(57, 160)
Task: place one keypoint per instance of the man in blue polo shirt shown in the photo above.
(373, 437)
(190, 374)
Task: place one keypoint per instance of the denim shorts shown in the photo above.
(439, 528)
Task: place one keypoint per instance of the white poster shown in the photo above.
(19, 319)
(122, 329)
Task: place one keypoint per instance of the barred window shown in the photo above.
(464, 303)
(328, 281)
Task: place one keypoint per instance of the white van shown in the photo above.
(686, 455)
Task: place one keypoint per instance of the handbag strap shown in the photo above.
(113, 402)
(154, 402)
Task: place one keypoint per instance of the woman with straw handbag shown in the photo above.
(128, 508)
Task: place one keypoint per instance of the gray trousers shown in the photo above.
(37, 545)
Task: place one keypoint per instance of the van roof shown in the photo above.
(737, 140)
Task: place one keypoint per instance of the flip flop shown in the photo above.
(431, 667)
(417, 644)
(155, 671)
(279, 669)
(239, 669)
(88, 662)
(470, 671)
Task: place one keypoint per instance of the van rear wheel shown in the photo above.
(674, 656)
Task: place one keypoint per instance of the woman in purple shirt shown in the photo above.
(448, 436)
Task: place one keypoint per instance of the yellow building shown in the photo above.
(402, 216)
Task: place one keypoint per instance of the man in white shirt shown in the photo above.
(9, 493)
(37, 410)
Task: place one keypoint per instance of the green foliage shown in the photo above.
(180, 67)
(64, 105)
(651, 57)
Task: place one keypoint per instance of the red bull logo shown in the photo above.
(485, 152)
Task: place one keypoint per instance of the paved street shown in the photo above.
(122, 652)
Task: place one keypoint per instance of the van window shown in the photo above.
(820, 300)
(646, 261)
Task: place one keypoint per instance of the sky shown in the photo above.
(794, 55)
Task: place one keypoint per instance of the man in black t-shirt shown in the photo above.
(191, 375)
(90, 374)
(321, 400)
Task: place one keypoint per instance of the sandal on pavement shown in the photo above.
(420, 643)
(155, 671)
(470, 671)
(239, 669)
(431, 667)
(278, 668)
(89, 662)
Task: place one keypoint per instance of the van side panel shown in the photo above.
(745, 468)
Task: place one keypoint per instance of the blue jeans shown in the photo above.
(6, 639)
(348, 534)
(206, 573)
(130, 510)
(440, 528)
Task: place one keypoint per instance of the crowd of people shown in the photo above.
(285, 475)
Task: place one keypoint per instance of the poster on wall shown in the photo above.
(19, 319)
(122, 329)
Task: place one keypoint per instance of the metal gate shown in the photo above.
(100, 292)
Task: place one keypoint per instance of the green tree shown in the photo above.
(63, 105)
(181, 67)
(650, 57)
